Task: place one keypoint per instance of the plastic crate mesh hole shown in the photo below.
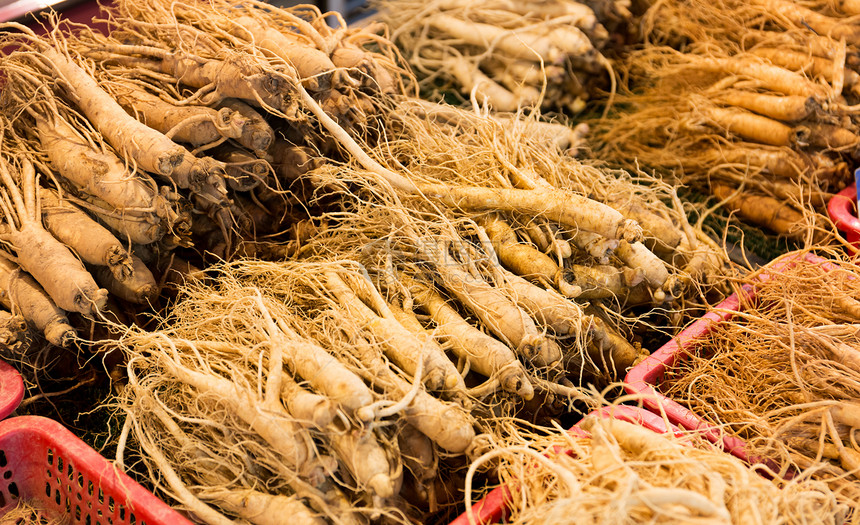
(9, 495)
(79, 498)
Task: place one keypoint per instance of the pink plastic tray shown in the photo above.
(493, 507)
(58, 474)
(11, 389)
(841, 209)
(644, 377)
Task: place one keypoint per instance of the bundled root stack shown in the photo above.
(433, 294)
(448, 266)
(119, 149)
(506, 53)
(622, 473)
(784, 373)
(751, 102)
(532, 245)
(208, 137)
(256, 402)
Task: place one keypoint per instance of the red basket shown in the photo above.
(493, 507)
(11, 389)
(44, 464)
(644, 377)
(841, 209)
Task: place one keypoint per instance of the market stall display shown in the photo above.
(769, 373)
(319, 296)
(508, 54)
(751, 102)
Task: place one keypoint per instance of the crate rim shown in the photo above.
(110, 479)
(642, 380)
(11, 389)
(492, 508)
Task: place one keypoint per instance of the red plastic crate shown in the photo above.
(644, 378)
(62, 477)
(11, 389)
(493, 507)
(841, 209)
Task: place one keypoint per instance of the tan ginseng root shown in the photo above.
(151, 150)
(781, 162)
(49, 261)
(447, 424)
(257, 135)
(602, 281)
(786, 108)
(265, 416)
(636, 255)
(486, 355)
(835, 28)
(755, 128)
(410, 353)
(662, 236)
(196, 125)
(22, 294)
(306, 406)
(131, 201)
(94, 244)
(313, 66)
(832, 137)
(567, 320)
(815, 66)
(619, 472)
(376, 469)
(215, 472)
(266, 321)
(552, 46)
(769, 76)
(776, 215)
(525, 260)
(244, 171)
(374, 70)
(139, 287)
(473, 82)
(565, 207)
(303, 286)
(316, 366)
(235, 75)
(497, 311)
(257, 319)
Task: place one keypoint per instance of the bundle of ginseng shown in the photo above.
(509, 54)
(263, 392)
(620, 473)
(136, 134)
(532, 286)
(589, 232)
(784, 373)
(751, 102)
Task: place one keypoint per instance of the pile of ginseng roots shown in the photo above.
(750, 102)
(508, 54)
(120, 150)
(444, 321)
(144, 107)
(502, 268)
(784, 373)
(620, 473)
